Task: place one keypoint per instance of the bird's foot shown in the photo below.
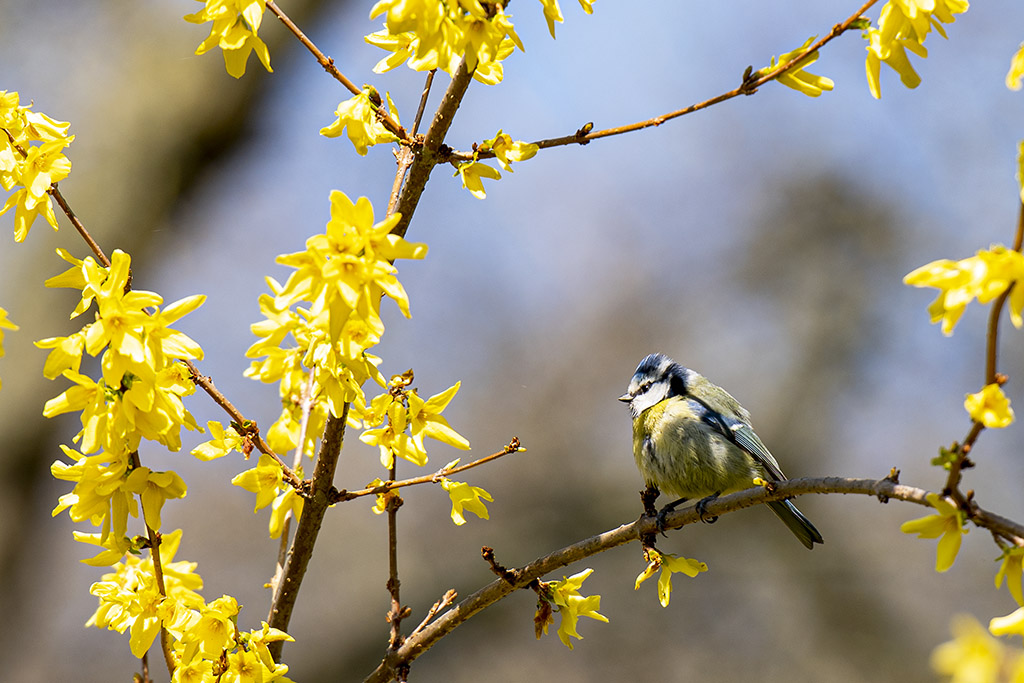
(701, 508)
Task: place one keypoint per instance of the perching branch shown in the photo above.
(883, 489)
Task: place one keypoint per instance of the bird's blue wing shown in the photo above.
(741, 434)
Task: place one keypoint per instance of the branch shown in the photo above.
(429, 154)
(308, 528)
(751, 82)
(247, 428)
(883, 489)
(328, 64)
(342, 496)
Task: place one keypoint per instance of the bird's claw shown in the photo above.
(701, 508)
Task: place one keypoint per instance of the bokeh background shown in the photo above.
(761, 242)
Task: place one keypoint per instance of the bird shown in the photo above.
(693, 440)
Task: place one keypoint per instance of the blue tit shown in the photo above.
(691, 439)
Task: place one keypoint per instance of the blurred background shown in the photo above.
(762, 242)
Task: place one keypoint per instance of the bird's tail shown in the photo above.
(797, 523)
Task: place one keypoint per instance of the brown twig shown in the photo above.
(751, 82)
(328, 64)
(396, 613)
(423, 101)
(429, 155)
(342, 496)
(249, 428)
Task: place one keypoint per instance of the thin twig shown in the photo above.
(248, 427)
(749, 86)
(342, 496)
(62, 203)
(423, 101)
(395, 614)
(328, 64)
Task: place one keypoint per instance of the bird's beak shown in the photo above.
(625, 398)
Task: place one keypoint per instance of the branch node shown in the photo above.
(509, 576)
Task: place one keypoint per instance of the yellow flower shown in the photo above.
(43, 166)
(947, 523)
(466, 497)
(975, 656)
(1011, 624)
(984, 276)
(990, 407)
(5, 324)
(289, 501)
(566, 597)
(1016, 72)
(359, 115)
(223, 442)
(506, 151)
(426, 419)
(154, 488)
(263, 480)
(904, 25)
(1010, 569)
(669, 565)
(798, 79)
(471, 173)
(235, 24)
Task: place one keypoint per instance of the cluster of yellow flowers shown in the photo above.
(903, 25)
(31, 146)
(206, 642)
(330, 309)
(437, 34)
(139, 396)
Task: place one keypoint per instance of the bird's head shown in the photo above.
(656, 378)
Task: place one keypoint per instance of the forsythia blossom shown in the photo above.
(990, 407)
(1010, 570)
(359, 116)
(1016, 73)
(466, 498)
(203, 637)
(798, 79)
(975, 656)
(31, 145)
(235, 23)
(564, 596)
(5, 324)
(948, 522)
(903, 25)
(437, 34)
(409, 419)
(983, 277)
(669, 565)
